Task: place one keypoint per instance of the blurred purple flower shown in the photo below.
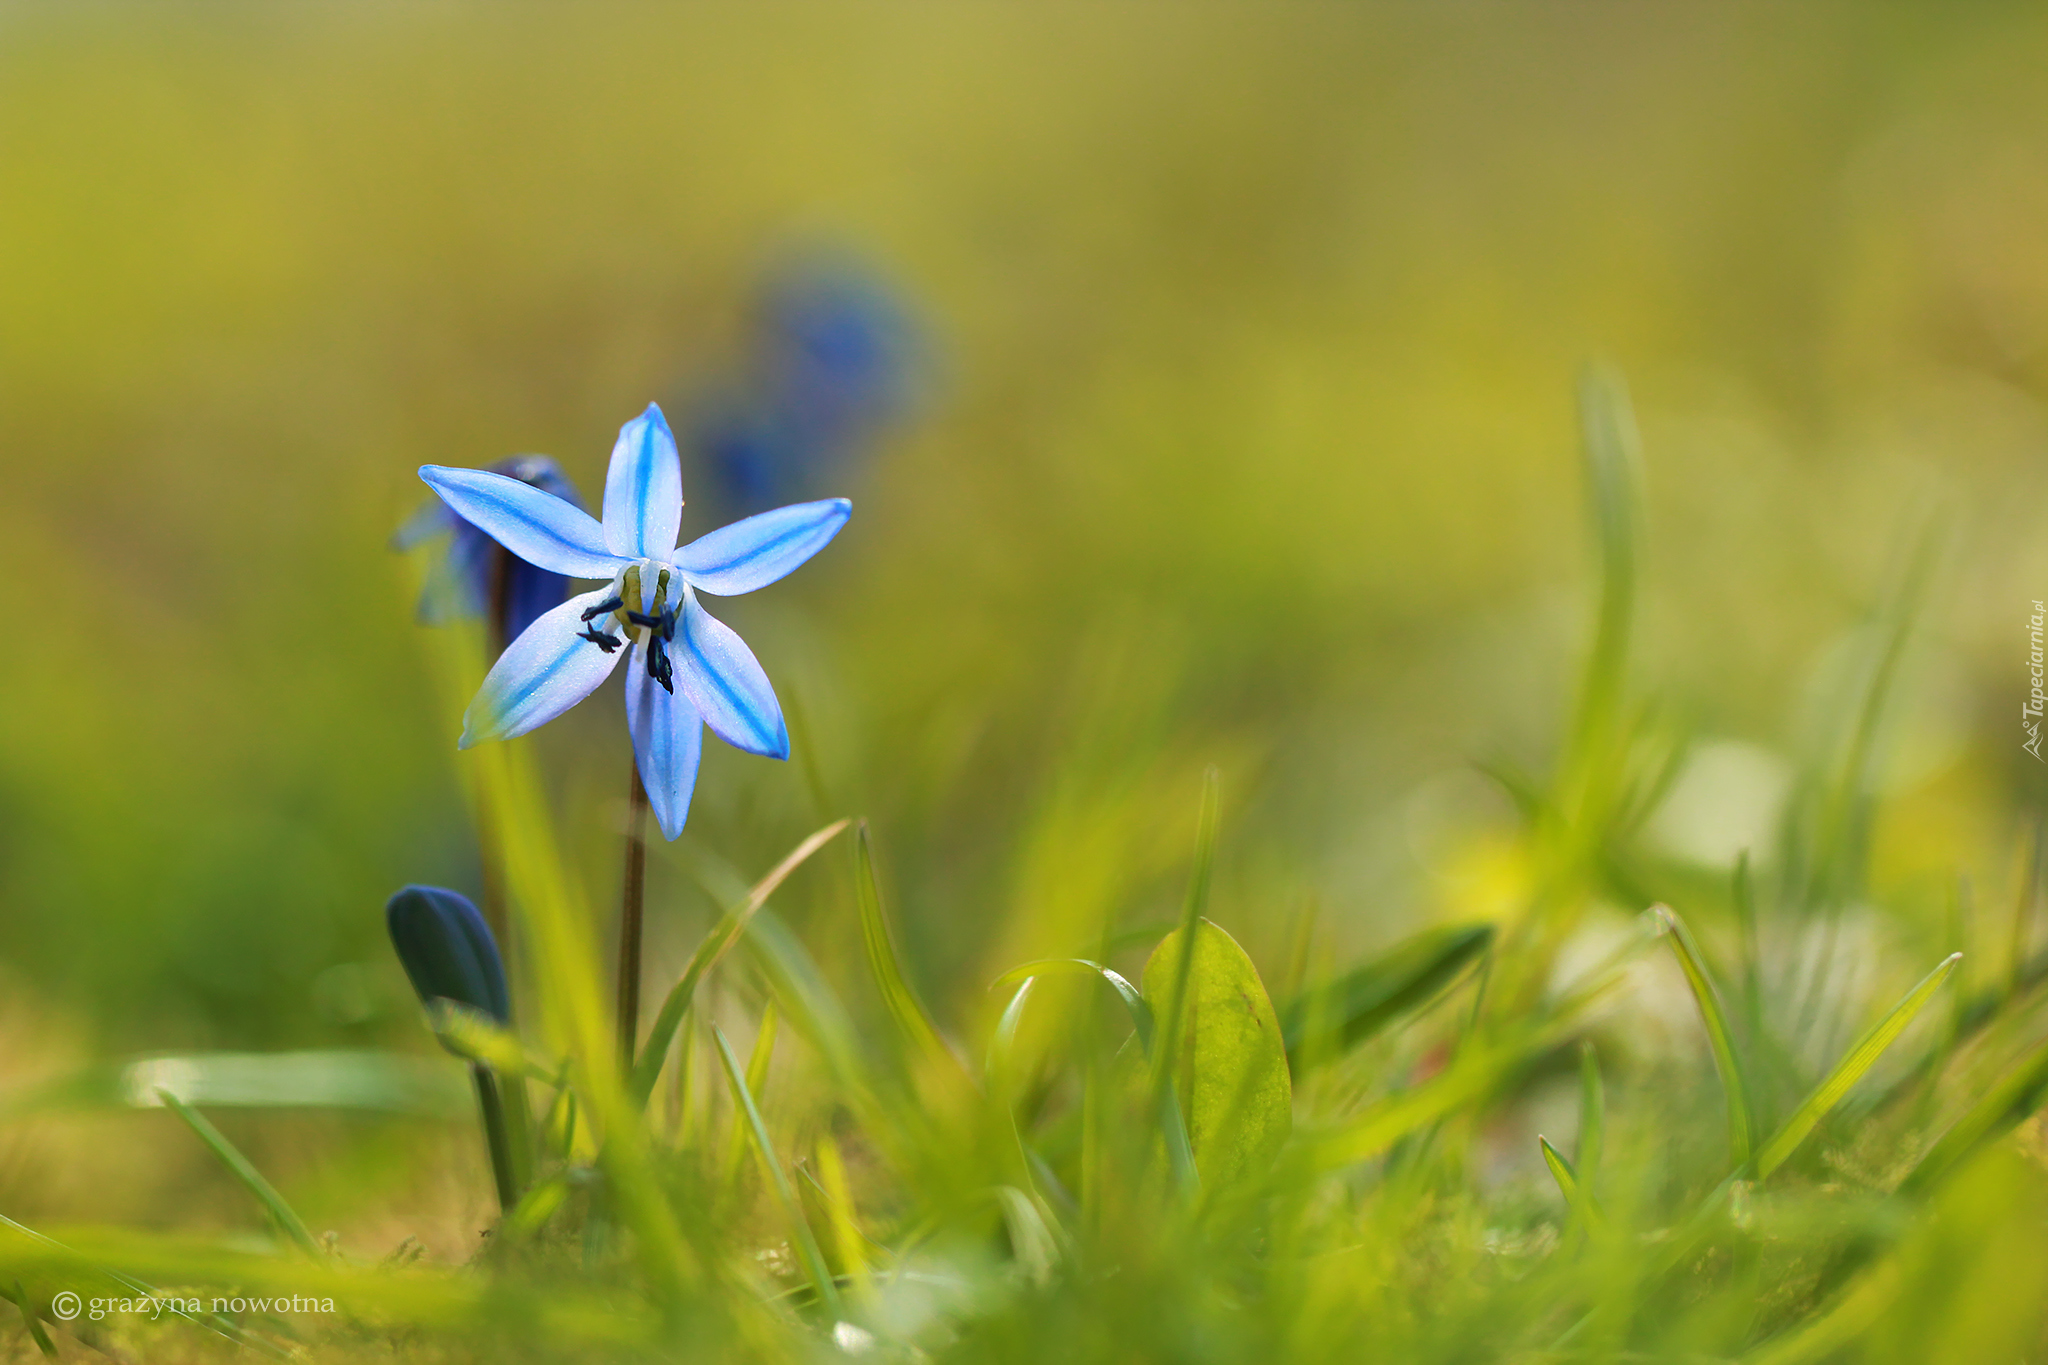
(685, 669)
(463, 578)
(833, 362)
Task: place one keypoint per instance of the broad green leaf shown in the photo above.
(1323, 1021)
(1741, 1130)
(1169, 994)
(1850, 1069)
(1230, 1068)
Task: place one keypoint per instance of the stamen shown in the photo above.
(609, 604)
(658, 666)
(605, 642)
(664, 623)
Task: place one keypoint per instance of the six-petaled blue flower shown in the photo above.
(684, 668)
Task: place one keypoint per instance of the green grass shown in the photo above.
(1247, 447)
(1194, 1169)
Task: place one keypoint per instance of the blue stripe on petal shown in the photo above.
(539, 527)
(643, 489)
(753, 553)
(668, 737)
(722, 679)
(544, 672)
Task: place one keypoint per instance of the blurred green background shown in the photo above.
(1243, 435)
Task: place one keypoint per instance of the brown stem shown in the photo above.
(631, 894)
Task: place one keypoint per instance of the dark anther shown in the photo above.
(605, 642)
(665, 623)
(658, 666)
(609, 604)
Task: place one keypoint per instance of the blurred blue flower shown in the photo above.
(447, 950)
(649, 606)
(461, 580)
(833, 362)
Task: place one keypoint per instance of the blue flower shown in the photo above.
(684, 668)
(447, 950)
(833, 360)
(462, 581)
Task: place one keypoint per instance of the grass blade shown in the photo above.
(1741, 1129)
(1574, 1190)
(1592, 1111)
(1180, 1149)
(214, 1322)
(1321, 1022)
(34, 1319)
(913, 1022)
(757, 1080)
(715, 945)
(800, 1227)
(995, 1069)
(1850, 1069)
(2018, 1094)
(554, 923)
(1133, 1001)
(847, 1238)
(1613, 451)
(1752, 954)
(239, 1166)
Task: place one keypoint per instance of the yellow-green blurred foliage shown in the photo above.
(1245, 438)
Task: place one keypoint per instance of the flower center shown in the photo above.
(621, 610)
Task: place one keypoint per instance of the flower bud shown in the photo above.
(474, 570)
(447, 950)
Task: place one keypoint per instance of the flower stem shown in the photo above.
(631, 894)
(498, 1136)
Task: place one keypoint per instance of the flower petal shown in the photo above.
(668, 736)
(643, 489)
(753, 553)
(718, 673)
(539, 527)
(544, 672)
